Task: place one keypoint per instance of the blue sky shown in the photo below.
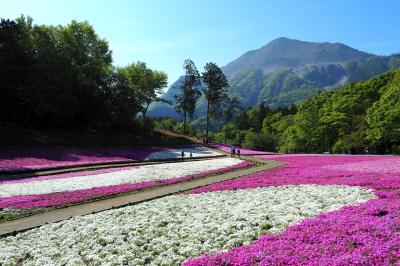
(164, 33)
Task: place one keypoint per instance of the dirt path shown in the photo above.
(57, 215)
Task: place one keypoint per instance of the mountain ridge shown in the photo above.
(291, 53)
(287, 71)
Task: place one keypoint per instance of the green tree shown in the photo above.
(154, 92)
(216, 91)
(269, 123)
(259, 141)
(252, 115)
(16, 65)
(228, 130)
(146, 83)
(232, 109)
(243, 120)
(88, 58)
(294, 139)
(262, 113)
(167, 124)
(384, 116)
(62, 76)
(189, 92)
(121, 105)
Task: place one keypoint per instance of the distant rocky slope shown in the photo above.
(287, 71)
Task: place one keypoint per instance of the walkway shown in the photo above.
(57, 215)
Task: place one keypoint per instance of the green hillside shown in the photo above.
(363, 116)
(286, 72)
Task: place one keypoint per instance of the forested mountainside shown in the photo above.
(360, 116)
(286, 72)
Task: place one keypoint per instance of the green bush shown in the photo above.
(259, 141)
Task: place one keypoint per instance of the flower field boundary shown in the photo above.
(26, 223)
(63, 198)
(30, 205)
(365, 234)
(94, 166)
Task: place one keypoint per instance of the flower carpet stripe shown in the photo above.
(139, 174)
(17, 160)
(168, 230)
(81, 195)
(14, 160)
(367, 234)
(65, 175)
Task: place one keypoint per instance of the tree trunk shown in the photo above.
(208, 107)
(184, 123)
(144, 111)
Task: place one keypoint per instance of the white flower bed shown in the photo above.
(176, 153)
(168, 230)
(136, 175)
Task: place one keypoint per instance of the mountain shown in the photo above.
(293, 54)
(287, 71)
(284, 87)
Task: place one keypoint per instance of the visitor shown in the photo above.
(231, 151)
(238, 153)
(182, 154)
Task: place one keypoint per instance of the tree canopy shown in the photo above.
(62, 76)
(216, 90)
(189, 91)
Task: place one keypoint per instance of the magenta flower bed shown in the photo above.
(367, 234)
(66, 175)
(14, 160)
(227, 148)
(63, 198)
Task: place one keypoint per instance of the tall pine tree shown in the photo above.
(189, 92)
(216, 91)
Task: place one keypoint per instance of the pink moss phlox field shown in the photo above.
(227, 148)
(14, 160)
(63, 198)
(66, 175)
(367, 234)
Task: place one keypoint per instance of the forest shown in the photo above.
(362, 117)
(63, 77)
